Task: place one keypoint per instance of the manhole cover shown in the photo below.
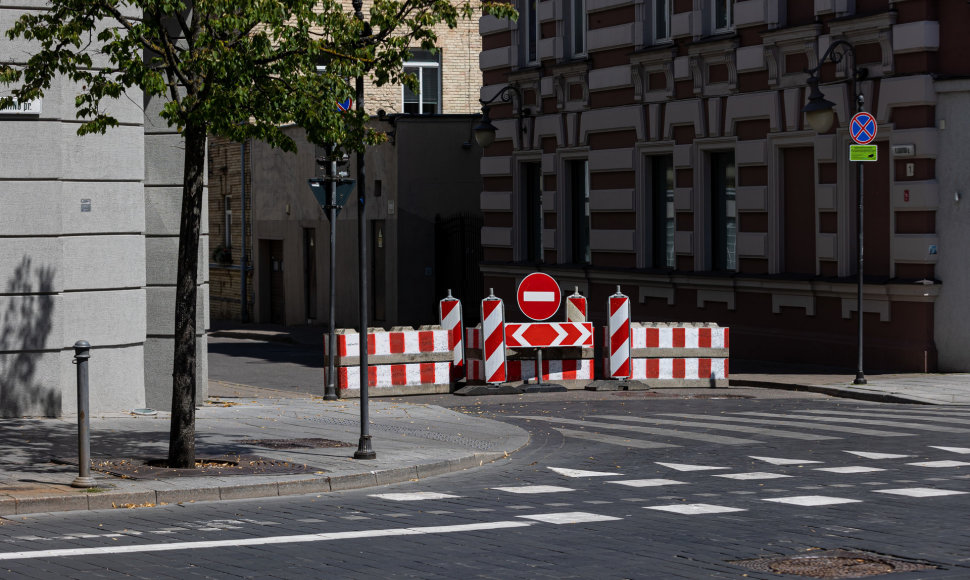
(296, 443)
(209, 466)
(833, 564)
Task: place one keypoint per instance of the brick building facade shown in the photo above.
(660, 145)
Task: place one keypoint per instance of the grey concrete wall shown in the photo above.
(952, 334)
(162, 195)
(72, 256)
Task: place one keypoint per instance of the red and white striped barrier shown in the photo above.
(576, 307)
(493, 333)
(680, 337)
(700, 369)
(618, 335)
(450, 317)
(395, 375)
(380, 342)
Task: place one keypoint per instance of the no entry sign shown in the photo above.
(538, 296)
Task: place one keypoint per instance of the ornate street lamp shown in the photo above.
(820, 114)
(485, 130)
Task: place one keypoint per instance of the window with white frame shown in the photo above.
(722, 16)
(578, 28)
(426, 67)
(659, 21)
(227, 221)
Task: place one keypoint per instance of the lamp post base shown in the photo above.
(364, 450)
(860, 379)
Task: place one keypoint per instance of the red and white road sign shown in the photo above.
(547, 334)
(538, 296)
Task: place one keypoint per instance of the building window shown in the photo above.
(662, 216)
(578, 172)
(724, 214)
(722, 16)
(426, 67)
(660, 21)
(578, 17)
(532, 31)
(227, 221)
(532, 206)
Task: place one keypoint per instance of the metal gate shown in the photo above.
(458, 252)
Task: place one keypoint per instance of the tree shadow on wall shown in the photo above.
(24, 329)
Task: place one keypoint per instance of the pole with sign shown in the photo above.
(862, 129)
(538, 297)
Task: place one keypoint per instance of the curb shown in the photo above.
(45, 503)
(841, 392)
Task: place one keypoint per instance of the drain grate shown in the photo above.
(833, 564)
(296, 443)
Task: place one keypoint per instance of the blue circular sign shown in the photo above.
(863, 128)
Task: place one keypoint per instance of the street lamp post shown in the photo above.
(364, 450)
(820, 115)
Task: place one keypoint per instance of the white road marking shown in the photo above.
(648, 482)
(809, 424)
(414, 496)
(919, 491)
(570, 518)
(688, 467)
(238, 542)
(752, 475)
(613, 439)
(582, 472)
(712, 424)
(782, 460)
(534, 489)
(872, 455)
(676, 433)
(691, 509)
(963, 450)
(857, 421)
(945, 463)
(849, 469)
(811, 500)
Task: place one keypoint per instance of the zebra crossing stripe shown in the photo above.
(648, 482)
(919, 491)
(739, 428)
(946, 463)
(809, 424)
(873, 455)
(582, 473)
(812, 500)
(959, 420)
(612, 439)
(751, 475)
(723, 440)
(963, 450)
(688, 467)
(783, 461)
(693, 509)
(854, 421)
(849, 469)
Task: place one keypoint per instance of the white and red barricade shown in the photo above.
(493, 339)
(680, 354)
(449, 311)
(618, 336)
(576, 307)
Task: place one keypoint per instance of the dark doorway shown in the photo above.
(458, 251)
(378, 288)
(798, 201)
(272, 304)
(310, 273)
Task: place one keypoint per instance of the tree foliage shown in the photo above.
(235, 68)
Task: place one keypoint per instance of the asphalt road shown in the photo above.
(620, 487)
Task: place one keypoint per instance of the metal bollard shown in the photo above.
(82, 352)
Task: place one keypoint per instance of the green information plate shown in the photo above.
(863, 152)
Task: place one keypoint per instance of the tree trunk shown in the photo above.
(181, 446)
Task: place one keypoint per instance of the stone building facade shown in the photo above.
(89, 247)
(660, 145)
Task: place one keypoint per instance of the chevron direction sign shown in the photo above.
(548, 334)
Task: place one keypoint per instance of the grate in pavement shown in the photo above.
(311, 443)
(833, 564)
(223, 466)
